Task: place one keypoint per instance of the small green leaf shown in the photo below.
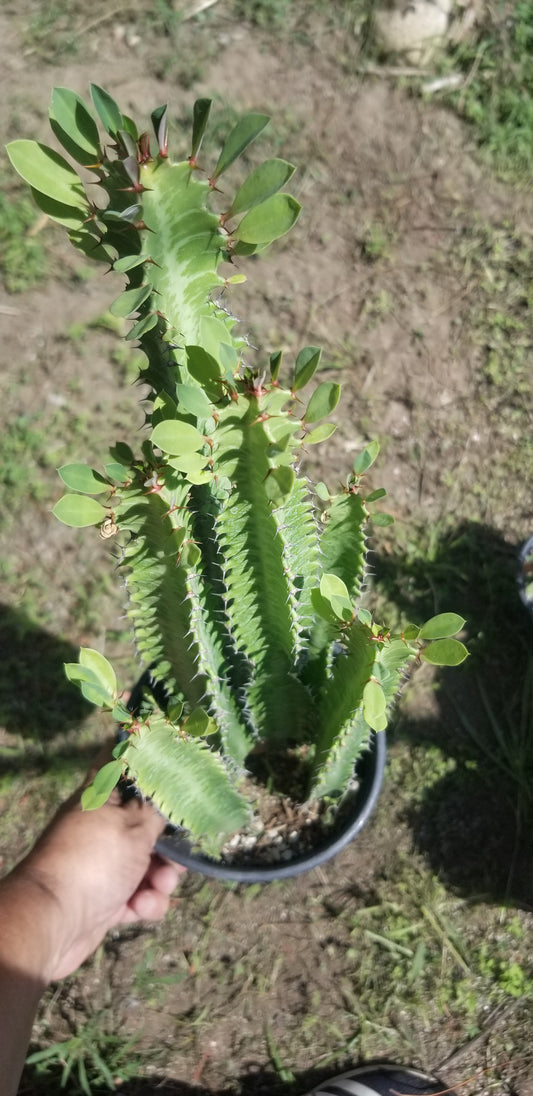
(442, 626)
(334, 590)
(194, 400)
(275, 363)
(99, 791)
(173, 544)
(200, 115)
(240, 248)
(366, 459)
(205, 369)
(78, 511)
(85, 242)
(269, 221)
(174, 710)
(129, 127)
(107, 110)
(130, 301)
(323, 401)
(121, 714)
(159, 119)
(176, 437)
(121, 747)
(333, 586)
(444, 652)
(306, 366)
(48, 172)
(128, 262)
(374, 705)
(146, 323)
(364, 616)
(79, 477)
(322, 607)
(199, 723)
(190, 555)
(242, 135)
(379, 493)
(410, 632)
(69, 216)
(322, 491)
(101, 668)
(189, 462)
(164, 408)
(381, 519)
(116, 472)
(203, 476)
(122, 453)
(96, 695)
(279, 483)
(72, 116)
(76, 673)
(320, 433)
(262, 182)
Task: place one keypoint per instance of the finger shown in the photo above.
(163, 876)
(149, 905)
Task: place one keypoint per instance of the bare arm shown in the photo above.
(88, 872)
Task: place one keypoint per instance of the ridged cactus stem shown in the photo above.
(243, 582)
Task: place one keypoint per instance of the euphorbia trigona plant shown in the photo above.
(243, 582)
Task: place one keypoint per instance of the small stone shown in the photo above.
(415, 29)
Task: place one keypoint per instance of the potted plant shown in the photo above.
(269, 686)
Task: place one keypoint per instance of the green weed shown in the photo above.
(298, 16)
(376, 242)
(93, 1057)
(22, 256)
(504, 735)
(495, 262)
(497, 94)
(22, 445)
(52, 31)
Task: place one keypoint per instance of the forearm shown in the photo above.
(19, 998)
(26, 928)
(89, 871)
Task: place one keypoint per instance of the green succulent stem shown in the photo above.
(243, 581)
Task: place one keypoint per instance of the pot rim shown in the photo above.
(369, 768)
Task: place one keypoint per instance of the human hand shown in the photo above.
(89, 871)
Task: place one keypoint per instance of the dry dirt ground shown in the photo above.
(383, 270)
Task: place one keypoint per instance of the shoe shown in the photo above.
(381, 1079)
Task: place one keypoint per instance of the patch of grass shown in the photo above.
(22, 255)
(22, 445)
(282, 16)
(376, 242)
(415, 955)
(504, 735)
(497, 94)
(51, 33)
(495, 261)
(95, 1058)
(271, 14)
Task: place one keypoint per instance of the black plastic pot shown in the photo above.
(353, 815)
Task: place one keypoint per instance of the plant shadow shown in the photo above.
(36, 700)
(474, 823)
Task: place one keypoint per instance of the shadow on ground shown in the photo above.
(254, 1082)
(36, 700)
(474, 824)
